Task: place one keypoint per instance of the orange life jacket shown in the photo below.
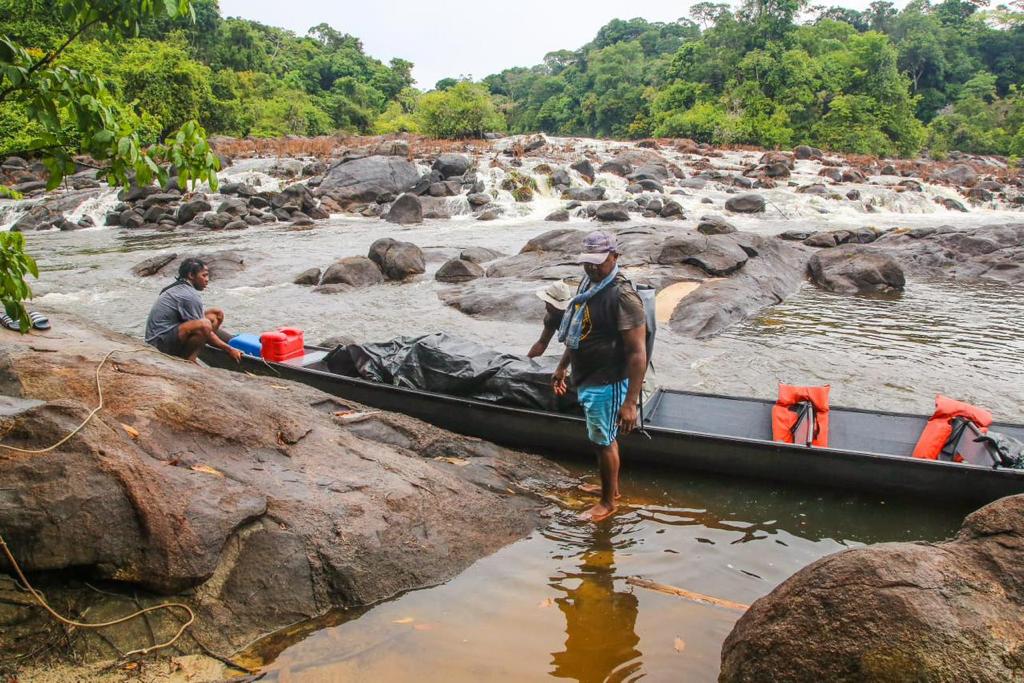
(784, 419)
(940, 427)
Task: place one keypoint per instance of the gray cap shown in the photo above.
(596, 247)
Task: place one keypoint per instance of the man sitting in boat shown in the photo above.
(556, 298)
(604, 333)
(178, 325)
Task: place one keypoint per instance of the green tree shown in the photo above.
(73, 111)
(465, 110)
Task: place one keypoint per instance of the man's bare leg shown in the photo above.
(608, 465)
(193, 336)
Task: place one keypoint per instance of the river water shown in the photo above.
(558, 603)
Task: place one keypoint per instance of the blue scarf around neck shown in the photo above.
(571, 329)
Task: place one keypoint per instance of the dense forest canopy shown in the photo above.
(767, 72)
(882, 81)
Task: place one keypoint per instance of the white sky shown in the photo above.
(448, 38)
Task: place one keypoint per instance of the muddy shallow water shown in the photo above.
(557, 604)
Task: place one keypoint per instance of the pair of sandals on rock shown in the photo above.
(38, 320)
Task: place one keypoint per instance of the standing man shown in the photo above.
(178, 325)
(556, 299)
(604, 332)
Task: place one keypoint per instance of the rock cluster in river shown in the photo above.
(948, 611)
(757, 272)
(260, 504)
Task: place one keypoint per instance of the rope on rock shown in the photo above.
(99, 390)
(77, 624)
(39, 598)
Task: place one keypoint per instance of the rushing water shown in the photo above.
(558, 603)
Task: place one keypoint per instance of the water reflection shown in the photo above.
(600, 622)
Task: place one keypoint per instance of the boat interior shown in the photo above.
(849, 430)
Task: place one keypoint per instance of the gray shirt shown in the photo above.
(176, 305)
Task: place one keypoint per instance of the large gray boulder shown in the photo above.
(458, 270)
(585, 194)
(716, 255)
(612, 212)
(950, 611)
(745, 203)
(397, 260)
(449, 165)
(189, 210)
(991, 252)
(357, 271)
(368, 179)
(961, 175)
(856, 269)
(406, 210)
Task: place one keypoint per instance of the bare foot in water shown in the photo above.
(595, 489)
(597, 513)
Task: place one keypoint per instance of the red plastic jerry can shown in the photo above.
(283, 344)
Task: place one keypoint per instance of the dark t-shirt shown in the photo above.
(553, 319)
(174, 306)
(601, 357)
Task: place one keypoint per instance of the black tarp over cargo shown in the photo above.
(455, 367)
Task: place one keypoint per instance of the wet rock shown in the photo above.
(853, 195)
(770, 158)
(911, 185)
(492, 298)
(616, 167)
(559, 215)
(961, 175)
(563, 240)
(189, 210)
(693, 183)
(611, 211)
(714, 225)
(479, 199)
(489, 214)
(131, 219)
(357, 271)
(852, 175)
(952, 204)
(716, 255)
(299, 220)
(795, 235)
(214, 221)
(406, 210)
(821, 240)
(29, 186)
(235, 207)
(803, 152)
(745, 203)
(449, 165)
(831, 173)
(245, 520)
(776, 273)
(479, 254)
(308, 277)
(992, 186)
(112, 219)
(560, 178)
(994, 252)
(336, 288)
(458, 270)
(895, 611)
(393, 148)
(367, 179)
(743, 182)
(51, 209)
(979, 194)
(585, 169)
(855, 269)
(435, 207)
(397, 260)
(813, 188)
(672, 209)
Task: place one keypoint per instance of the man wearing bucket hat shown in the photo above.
(604, 332)
(556, 298)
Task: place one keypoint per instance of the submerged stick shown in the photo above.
(682, 593)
